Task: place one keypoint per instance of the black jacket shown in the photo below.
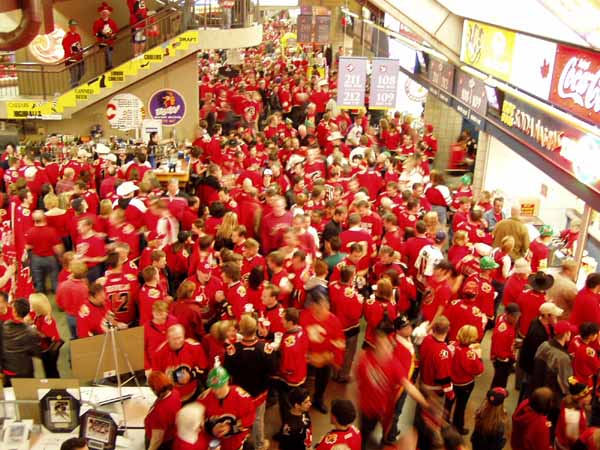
(536, 335)
(251, 365)
(19, 343)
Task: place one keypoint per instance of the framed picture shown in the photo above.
(60, 411)
(99, 429)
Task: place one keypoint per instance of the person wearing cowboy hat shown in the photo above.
(531, 299)
(105, 29)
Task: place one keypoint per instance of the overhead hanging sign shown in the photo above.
(352, 79)
(470, 91)
(565, 146)
(384, 83)
(488, 48)
(304, 28)
(125, 112)
(576, 82)
(322, 29)
(441, 75)
(168, 106)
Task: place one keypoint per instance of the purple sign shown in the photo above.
(441, 75)
(322, 28)
(471, 91)
(352, 79)
(384, 83)
(168, 106)
(304, 26)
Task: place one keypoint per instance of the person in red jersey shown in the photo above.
(184, 361)
(530, 426)
(538, 249)
(137, 15)
(516, 282)
(347, 305)
(271, 320)
(90, 248)
(188, 312)
(586, 363)
(380, 379)
(344, 434)
(379, 306)
(280, 276)
(251, 256)
(121, 289)
(44, 246)
(572, 418)
(105, 29)
(586, 307)
(159, 424)
(274, 224)
(393, 235)
(229, 410)
(483, 280)
(190, 433)
(72, 292)
(234, 292)
(466, 365)
(155, 331)
(436, 363)
(503, 350)
(413, 246)
(206, 288)
(531, 299)
(437, 292)
(50, 341)
(6, 312)
(149, 293)
(293, 351)
(326, 345)
(23, 221)
(355, 234)
(465, 312)
(73, 49)
(94, 315)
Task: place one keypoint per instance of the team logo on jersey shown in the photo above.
(316, 333)
(241, 291)
(502, 327)
(130, 277)
(444, 354)
(230, 350)
(471, 355)
(486, 287)
(290, 341)
(153, 293)
(84, 311)
(349, 292)
(26, 212)
(590, 352)
(331, 438)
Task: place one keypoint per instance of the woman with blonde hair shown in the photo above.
(439, 196)
(50, 340)
(57, 217)
(459, 248)
(221, 333)
(188, 311)
(432, 224)
(466, 365)
(103, 220)
(225, 230)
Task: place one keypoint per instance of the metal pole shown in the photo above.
(583, 234)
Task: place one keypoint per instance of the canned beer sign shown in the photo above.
(168, 106)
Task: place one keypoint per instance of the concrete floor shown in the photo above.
(321, 422)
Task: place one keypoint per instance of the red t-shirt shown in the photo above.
(162, 416)
(91, 247)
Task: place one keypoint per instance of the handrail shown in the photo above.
(124, 33)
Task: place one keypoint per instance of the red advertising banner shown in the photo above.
(576, 82)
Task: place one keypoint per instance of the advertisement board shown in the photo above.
(125, 112)
(576, 82)
(567, 147)
(533, 65)
(168, 106)
(384, 83)
(352, 79)
(488, 48)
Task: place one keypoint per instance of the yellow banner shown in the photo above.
(184, 40)
(66, 100)
(152, 56)
(23, 110)
(487, 48)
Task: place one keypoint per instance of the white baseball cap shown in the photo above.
(102, 149)
(110, 157)
(126, 188)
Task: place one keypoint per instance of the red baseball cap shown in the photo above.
(564, 326)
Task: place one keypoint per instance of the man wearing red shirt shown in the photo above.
(531, 299)
(355, 234)
(274, 224)
(436, 362)
(347, 305)
(320, 97)
(234, 291)
(326, 345)
(150, 293)
(538, 249)
(90, 248)
(230, 410)
(437, 292)
(93, 317)
(586, 363)
(105, 29)
(586, 307)
(465, 312)
(121, 289)
(413, 246)
(73, 49)
(503, 352)
(344, 434)
(183, 360)
(45, 246)
(72, 292)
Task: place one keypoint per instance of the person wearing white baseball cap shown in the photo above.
(134, 207)
(126, 189)
(102, 149)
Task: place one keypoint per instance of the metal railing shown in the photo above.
(48, 80)
(244, 13)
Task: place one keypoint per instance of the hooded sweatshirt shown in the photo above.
(530, 430)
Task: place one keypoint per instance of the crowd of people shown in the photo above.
(301, 227)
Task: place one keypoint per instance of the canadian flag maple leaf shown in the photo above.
(545, 68)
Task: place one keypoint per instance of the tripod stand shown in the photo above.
(111, 338)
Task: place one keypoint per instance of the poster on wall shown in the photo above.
(125, 112)
(352, 78)
(384, 83)
(567, 147)
(168, 106)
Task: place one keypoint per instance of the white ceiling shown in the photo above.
(522, 15)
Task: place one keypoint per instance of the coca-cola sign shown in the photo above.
(576, 82)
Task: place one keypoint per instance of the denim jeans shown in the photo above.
(72, 323)
(77, 70)
(108, 55)
(42, 266)
(258, 429)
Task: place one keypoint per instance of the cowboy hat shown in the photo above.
(540, 281)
